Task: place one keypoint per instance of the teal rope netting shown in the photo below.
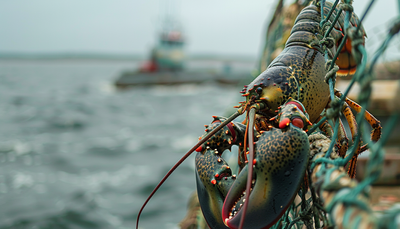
(313, 211)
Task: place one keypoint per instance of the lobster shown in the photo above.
(281, 104)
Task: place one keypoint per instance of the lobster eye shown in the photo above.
(259, 90)
(298, 122)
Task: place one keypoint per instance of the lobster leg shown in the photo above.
(325, 127)
(353, 129)
(375, 123)
(351, 120)
(343, 141)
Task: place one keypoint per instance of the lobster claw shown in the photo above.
(213, 179)
(213, 174)
(279, 166)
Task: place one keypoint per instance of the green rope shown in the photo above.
(311, 208)
(363, 75)
(334, 21)
(324, 20)
(315, 126)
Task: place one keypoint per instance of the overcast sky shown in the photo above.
(130, 26)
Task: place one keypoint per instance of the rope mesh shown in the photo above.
(347, 198)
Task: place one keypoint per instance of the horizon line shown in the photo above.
(116, 56)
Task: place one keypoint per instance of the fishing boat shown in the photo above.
(168, 54)
(167, 65)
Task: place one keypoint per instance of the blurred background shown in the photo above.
(76, 151)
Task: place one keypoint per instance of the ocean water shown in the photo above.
(77, 153)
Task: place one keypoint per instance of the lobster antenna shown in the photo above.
(209, 135)
(245, 137)
(250, 162)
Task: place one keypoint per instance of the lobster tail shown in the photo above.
(306, 31)
(346, 62)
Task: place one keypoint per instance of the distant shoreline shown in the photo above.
(94, 56)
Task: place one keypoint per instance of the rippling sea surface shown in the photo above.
(77, 153)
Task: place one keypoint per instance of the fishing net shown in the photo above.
(333, 198)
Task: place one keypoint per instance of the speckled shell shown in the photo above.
(298, 72)
(210, 195)
(212, 190)
(282, 158)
